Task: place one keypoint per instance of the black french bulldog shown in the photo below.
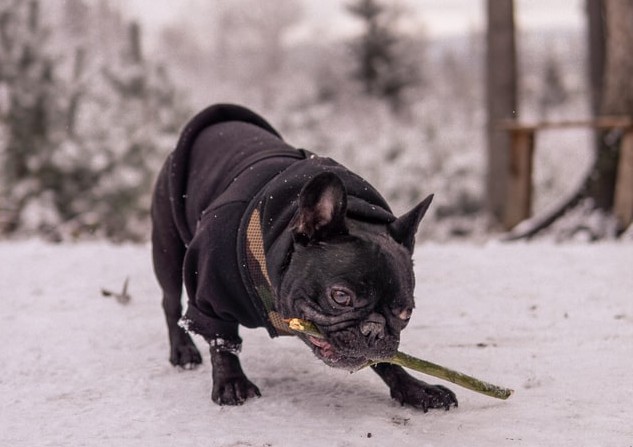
(259, 231)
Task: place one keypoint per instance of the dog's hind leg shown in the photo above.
(168, 252)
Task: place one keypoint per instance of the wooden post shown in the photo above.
(501, 102)
(519, 197)
(623, 203)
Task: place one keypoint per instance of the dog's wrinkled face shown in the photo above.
(358, 293)
(354, 281)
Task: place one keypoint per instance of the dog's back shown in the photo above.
(220, 144)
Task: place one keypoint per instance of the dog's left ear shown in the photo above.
(403, 229)
(322, 208)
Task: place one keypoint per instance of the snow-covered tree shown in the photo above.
(32, 111)
(85, 130)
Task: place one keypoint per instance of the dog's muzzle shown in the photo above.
(374, 327)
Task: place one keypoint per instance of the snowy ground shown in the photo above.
(553, 322)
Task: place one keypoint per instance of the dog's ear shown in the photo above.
(322, 208)
(403, 229)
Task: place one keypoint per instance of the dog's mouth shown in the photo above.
(344, 344)
(328, 354)
(324, 349)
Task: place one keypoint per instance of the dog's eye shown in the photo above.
(341, 296)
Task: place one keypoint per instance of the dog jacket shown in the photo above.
(230, 165)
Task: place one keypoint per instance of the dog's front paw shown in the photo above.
(230, 384)
(408, 390)
(423, 396)
(234, 391)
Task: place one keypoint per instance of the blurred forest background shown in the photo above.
(91, 103)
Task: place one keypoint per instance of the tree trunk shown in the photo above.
(501, 98)
(616, 98)
(596, 56)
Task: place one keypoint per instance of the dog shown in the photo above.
(259, 231)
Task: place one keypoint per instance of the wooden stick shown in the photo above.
(441, 372)
(416, 364)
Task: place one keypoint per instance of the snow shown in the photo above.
(554, 322)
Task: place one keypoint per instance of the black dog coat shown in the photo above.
(229, 162)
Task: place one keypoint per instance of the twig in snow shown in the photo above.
(123, 297)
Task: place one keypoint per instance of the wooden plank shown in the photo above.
(623, 206)
(604, 122)
(519, 198)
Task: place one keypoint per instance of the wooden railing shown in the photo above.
(522, 135)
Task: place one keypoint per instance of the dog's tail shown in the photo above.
(178, 160)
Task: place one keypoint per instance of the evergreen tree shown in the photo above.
(383, 64)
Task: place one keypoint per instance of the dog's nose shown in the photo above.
(374, 326)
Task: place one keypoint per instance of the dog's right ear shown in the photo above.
(322, 208)
(404, 228)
